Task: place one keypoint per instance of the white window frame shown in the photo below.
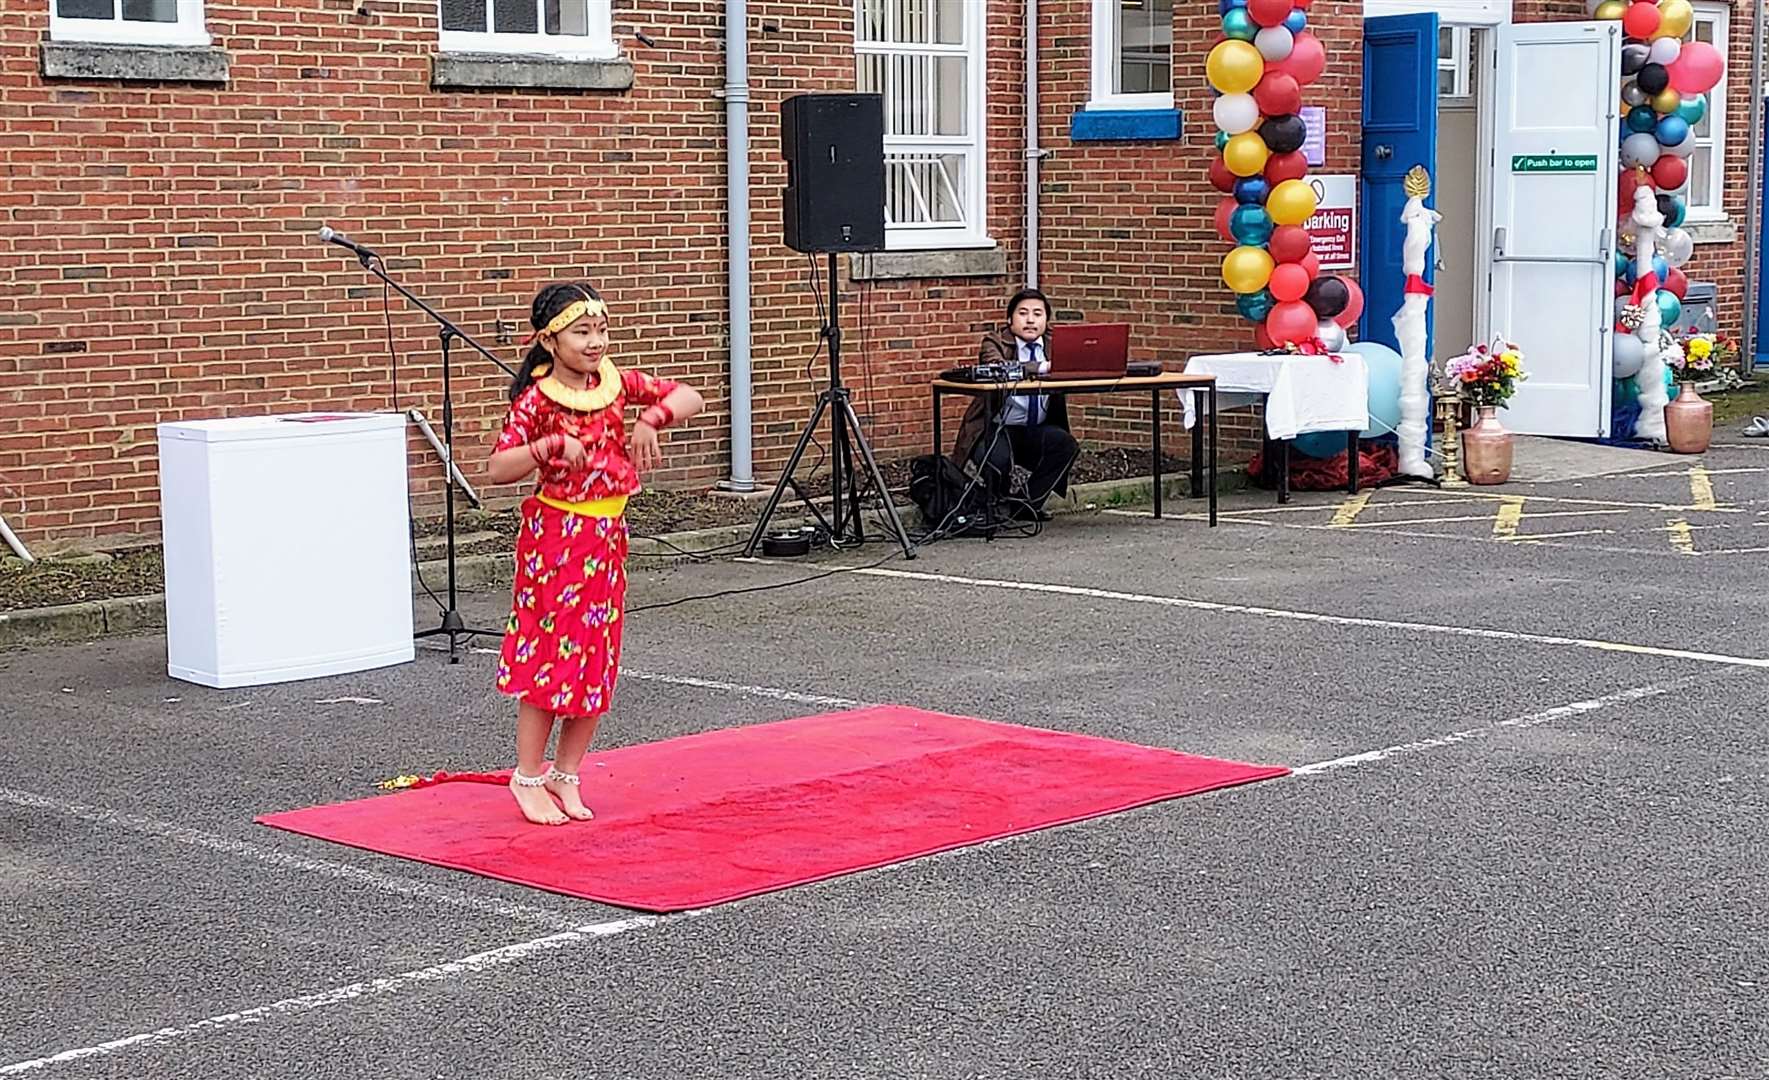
(116, 30)
(1720, 15)
(972, 232)
(1460, 65)
(598, 44)
(1105, 64)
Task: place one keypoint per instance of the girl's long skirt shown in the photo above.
(562, 644)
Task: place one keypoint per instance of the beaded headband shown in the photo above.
(574, 311)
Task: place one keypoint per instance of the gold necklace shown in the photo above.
(590, 398)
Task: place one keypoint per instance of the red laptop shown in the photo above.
(1089, 351)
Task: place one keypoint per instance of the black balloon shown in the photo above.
(1634, 57)
(1327, 295)
(1667, 205)
(1283, 134)
(1653, 79)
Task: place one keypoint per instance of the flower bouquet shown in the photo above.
(1702, 354)
(1486, 376)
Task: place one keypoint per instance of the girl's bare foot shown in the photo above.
(532, 798)
(564, 786)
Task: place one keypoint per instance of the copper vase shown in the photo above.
(1689, 422)
(1486, 449)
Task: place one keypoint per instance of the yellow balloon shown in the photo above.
(1247, 269)
(1665, 102)
(1610, 10)
(1234, 66)
(1245, 154)
(1290, 203)
(1675, 19)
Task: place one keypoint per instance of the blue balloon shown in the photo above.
(1250, 224)
(1672, 130)
(1295, 21)
(1252, 190)
(1641, 119)
(1661, 267)
(1384, 367)
(1692, 108)
(1221, 141)
(1670, 309)
(1674, 219)
(1320, 444)
(1671, 385)
(1624, 266)
(1255, 306)
(1239, 25)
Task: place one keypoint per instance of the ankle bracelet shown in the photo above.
(562, 777)
(519, 780)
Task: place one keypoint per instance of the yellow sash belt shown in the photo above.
(611, 507)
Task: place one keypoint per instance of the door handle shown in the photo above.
(1499, 255)
(1384, 151)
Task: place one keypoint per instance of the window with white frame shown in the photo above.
(128, 22)
(1132, 54)
(578, 29)
(1707, 166)
(1456, 79)
(925, 58)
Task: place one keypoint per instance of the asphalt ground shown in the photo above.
(1525, 838)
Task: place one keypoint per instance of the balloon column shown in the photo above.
(1258, 69)
(1665, 81)
(1409, 324)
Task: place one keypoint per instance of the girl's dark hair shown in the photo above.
(548, 303)
(1029, 294)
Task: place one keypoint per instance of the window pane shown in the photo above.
(924, 189)
(924, 95)
(86, 9)
(515, 17)
(568, 17)
(165, 11)
(916, 22)
(1701, 176)
(1145, 47)
(1446, 43)
(468, 15)
(1446, 81)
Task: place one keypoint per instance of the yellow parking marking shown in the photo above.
(1701, 488)
(1505, 522)
(1349, 510)
(1681, 540)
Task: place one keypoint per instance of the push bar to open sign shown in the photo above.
(1554, 163)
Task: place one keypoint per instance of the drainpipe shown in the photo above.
(737, 241)
(1034, 154)
(1753, 230)
(13, 542)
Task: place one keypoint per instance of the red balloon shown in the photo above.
(1223, 209)
(1353, 307)
(1311, 263)
(1677, 283)
(1306, 61)
(1277, 94)
(1640, 20)
(1282, 167)
(1621, 287)
(1220, 178)
(1289, 281)
(1290, 244)
(1625, 187)
(1270, 12)
(1670, 172)
(1291, 323)
(1261, 338)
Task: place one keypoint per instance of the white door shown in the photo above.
(1553, 219)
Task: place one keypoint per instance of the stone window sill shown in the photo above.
(912, 265)
(507, 71)
(145, 63)
(1712, 230)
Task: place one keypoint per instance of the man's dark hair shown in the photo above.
(1029, 294)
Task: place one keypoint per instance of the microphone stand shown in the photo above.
(452, 624)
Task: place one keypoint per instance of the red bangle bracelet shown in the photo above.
(651, 416)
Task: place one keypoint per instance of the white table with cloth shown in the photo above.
(1302, 395)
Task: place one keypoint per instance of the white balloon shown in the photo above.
(1632, 94)
(1630, 354)
(1665, 51)
(1682, 149)
(1274, 42)
(1679, 247)
(1332, 335)
(1640, 149)
(1236, 113)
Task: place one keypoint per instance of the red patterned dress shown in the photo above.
(562, 644)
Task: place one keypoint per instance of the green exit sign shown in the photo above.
(1554, 163)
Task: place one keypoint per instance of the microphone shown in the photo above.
(329, 235)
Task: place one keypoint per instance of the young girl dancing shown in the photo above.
(562, 644)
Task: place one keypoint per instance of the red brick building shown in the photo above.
(168, 162)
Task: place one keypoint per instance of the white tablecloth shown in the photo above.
(1302, 393)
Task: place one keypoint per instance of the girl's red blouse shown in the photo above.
(595, 415)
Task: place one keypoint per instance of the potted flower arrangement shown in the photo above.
(1689, 420)
(1485, 377)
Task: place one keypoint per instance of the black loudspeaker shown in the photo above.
(834, 150)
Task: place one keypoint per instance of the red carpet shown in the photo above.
(704, 819)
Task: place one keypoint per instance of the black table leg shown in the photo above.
(1351, 457)
(1212, 398)
(1197, 444)
(1155, 440)
(939, 500)
(1283, 470)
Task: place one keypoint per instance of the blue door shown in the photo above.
(1400, 131)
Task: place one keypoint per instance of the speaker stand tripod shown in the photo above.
(846, 434)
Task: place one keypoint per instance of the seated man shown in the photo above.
(1032, 430)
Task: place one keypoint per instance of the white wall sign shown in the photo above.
(1334, 225)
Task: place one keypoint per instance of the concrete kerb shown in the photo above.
(93, 619)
